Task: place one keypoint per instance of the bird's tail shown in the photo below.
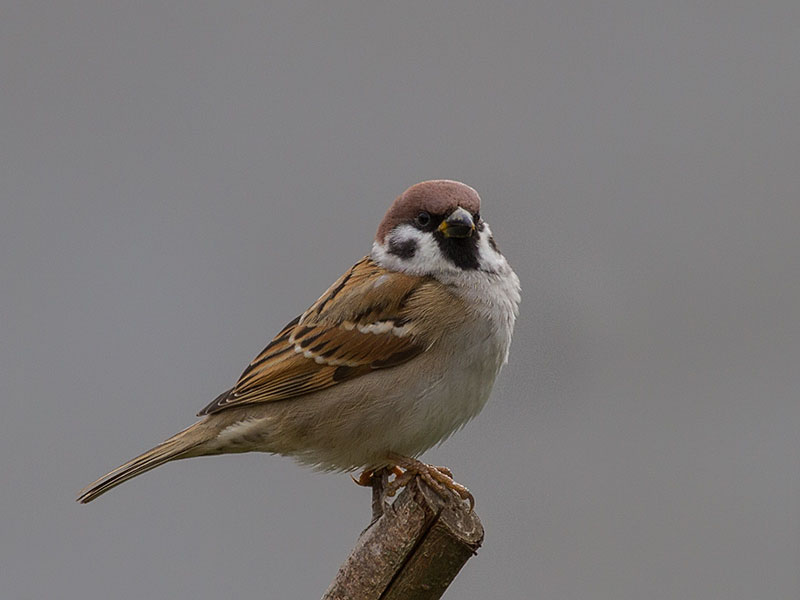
(179, 445)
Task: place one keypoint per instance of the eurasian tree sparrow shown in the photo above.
(393, 358)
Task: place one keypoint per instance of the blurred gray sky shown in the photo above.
(180, 179)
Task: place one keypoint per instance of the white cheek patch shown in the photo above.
(427, 258)
(489, 259)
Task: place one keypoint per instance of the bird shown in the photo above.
(398, 354)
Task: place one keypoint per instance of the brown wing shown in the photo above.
(369, 319)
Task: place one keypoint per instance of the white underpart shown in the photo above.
(447, 402)
(492, 293)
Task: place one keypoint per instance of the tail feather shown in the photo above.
(178, 446)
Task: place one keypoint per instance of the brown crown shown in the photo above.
(436, 197)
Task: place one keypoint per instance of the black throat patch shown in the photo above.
(462, 252)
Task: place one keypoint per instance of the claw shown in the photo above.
(439, 479)
(365, 479)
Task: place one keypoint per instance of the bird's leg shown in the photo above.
(377, 480)
(439, 479)
(379, 503)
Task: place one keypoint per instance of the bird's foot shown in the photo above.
(367, 477)
(378, 480)
(439, 479)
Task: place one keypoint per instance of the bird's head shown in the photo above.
(435, 228)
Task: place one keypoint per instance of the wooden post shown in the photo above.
(412, 552)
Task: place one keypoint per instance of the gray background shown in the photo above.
(180, 179)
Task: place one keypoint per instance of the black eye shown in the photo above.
(423, 219)
(477, 217)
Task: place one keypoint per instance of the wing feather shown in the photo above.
(371, 318)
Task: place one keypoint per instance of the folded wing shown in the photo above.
(371, 318)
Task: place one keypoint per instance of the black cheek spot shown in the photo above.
(403, 249)
(493, 244)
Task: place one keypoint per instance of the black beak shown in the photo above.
(458, 225)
